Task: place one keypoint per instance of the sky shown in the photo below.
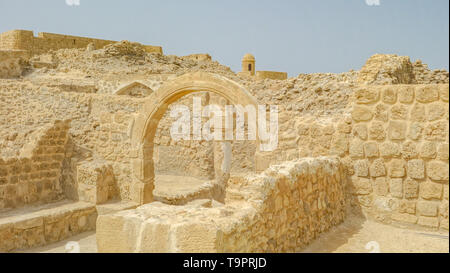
(295, 36)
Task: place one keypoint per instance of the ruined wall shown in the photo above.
(280, 210)
(393, 140)
(100, 127)
(12, 63)
(400, 153)
(34, 176)
(44, 42)
(392, 69)
(100, 131)
(273, 75)
(183, 157)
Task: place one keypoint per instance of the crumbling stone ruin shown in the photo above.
(85, 145)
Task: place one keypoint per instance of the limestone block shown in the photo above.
(431, 222)
(444, 223)
(115, 234)
(361, 186)
(381, 113)
(407, 207)
(429, 190)
(415, 130)
(427, 208)
(155, 237)
(192, 237)
(428, 150)
(366, 95)
(404, 217)
(389, 95)
(427, 93)
(397, 168)
(416, 169)
(396, 187)
(406, 94)
(371, 149)
(443, 209)
(377, 168)
(418, 113)
(442, 151)
(437, 130)
(382, 186)
(105, 117)
(390, 149)
(377, 131)
(437, 111)
(411, 188)
(399, 112)
(356, 148)
(361, 168)
(339, 144)
(360, 130)
(409, 150)
(361, 113)
(437, 170)
(397, 130)
(94, 180)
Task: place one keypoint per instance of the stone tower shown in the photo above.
(248, 64)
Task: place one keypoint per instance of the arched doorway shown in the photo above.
(146, 123)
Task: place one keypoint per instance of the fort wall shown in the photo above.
(44, 42)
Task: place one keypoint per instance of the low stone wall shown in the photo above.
(34, 177)
(280, 210)
(43, 225)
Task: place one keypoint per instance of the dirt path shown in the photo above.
(351, 236)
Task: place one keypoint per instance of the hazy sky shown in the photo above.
(284, 35)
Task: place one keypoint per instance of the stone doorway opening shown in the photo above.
(155, 153)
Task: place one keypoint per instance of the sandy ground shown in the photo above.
(354, 235)
(357, 235)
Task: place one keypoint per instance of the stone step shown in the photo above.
(115, 206)
(40, 225)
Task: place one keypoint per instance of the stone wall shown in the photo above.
(393, 141)
(410, 121)
(34, 176)
(99, 129)
(273, 75)
(280, 210)
(44, 42)
(26, 228)
(400, 153)
(183, 157)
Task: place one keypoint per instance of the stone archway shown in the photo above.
(156, 105)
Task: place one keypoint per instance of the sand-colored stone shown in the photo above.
(91, 123)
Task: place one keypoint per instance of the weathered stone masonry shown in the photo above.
(280, 210)
(35, 176)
